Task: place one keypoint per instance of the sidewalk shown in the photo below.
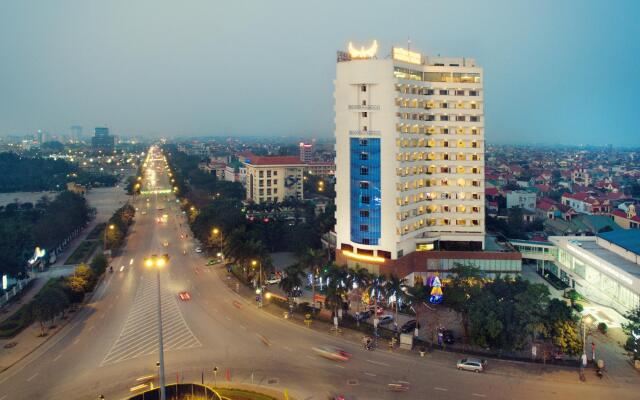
(507, 368)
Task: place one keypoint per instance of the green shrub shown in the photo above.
(602, 327)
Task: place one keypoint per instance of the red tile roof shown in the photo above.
(253, 159)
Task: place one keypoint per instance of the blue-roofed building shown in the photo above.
(628, 240)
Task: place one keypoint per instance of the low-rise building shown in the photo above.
(321, 169)
(523, 199)
(272, 179)
(628, 219)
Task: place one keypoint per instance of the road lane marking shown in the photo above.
(243, 327)
(369, 374)
(76, 341)
(478, 394)
(57, 357)
(377, 363)
(339, 366)
(440, 389)
(3, 397)
(131, 262)
(31, 377)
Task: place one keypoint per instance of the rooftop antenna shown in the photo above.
(408, 44)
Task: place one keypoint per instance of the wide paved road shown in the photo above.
(112, 342)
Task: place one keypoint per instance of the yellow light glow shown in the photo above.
(362, 257)
(160, 262)
(405, 55)
(148, 262)
(362, 52)
(216, 231)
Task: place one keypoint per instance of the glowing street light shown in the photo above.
(159, 262)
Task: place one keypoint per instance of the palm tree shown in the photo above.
(292, 281)
(312, 259)
(336, 286)
(358, 278)
(395, 288)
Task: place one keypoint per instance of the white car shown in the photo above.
(198, 250)
(272, 280)
(471, 364)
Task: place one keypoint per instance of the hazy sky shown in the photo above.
(555, 71)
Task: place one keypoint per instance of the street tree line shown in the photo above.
(55, 298)
(118, 225)
(36, 174)
(23, 226)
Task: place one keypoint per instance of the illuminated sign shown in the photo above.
(362, 52)
(405, 55)
(436, 290)
(362, 257)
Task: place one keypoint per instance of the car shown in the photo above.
(364, 315)
(198, 250)
(385, 319)
(447, 337)
(144, 212)
(211, 262)
(332, 353)
(184, 296)
(471, 364)
(410, 326)
(272, 280)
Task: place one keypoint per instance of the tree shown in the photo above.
(465, 284)
(632, 328)
(85, 273)
(99, 264)
(76, 286)
(395, 288)
(292, 281)
(47, 305)
(567, 337)
(336, 277)
(485, 320)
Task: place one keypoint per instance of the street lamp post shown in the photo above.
(586, 320)
(111, 227)
(254, 263)
(159, 262)
(218, 232)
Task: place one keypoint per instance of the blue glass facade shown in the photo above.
(365, 190)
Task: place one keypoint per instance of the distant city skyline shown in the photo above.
(555, 72)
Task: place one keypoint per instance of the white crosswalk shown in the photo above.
(139, 336)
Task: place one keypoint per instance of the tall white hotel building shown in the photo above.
(409, 154)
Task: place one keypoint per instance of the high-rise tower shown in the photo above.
(409, 154)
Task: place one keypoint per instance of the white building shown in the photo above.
(523, 199)
(409, 153)
(306, 152)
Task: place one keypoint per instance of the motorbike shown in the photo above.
(600, 368)
(111, 269)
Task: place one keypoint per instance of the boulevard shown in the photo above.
(113, 339)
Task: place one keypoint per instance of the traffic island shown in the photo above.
(196, 391)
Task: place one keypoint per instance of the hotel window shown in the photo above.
(365, 241)
(275, 182)
(269, 174)
(444, 131)
(269, 199)
(474, 131)
(473, 92)
(364, 102)
(364, 156)
(475, 209)
(364, 199)
(364, 170)
(474, 144)
(444, 118)
(459, 92)
(460, 118)
(261, 192)
(364, 114)
(364, 213)
(428, 92)
(363, 88)
(364, 142)
(269, 192)
(443, 92)
(364, 228)
(444, 105)
(364, 128)
(461, 222)
(475, 222)
(261, 174)
(476, 196)
(268, 182)
(261, 184)
(275, 191)
(474, 106)
(364, 185)
(474, 118)
(445, 144)
(275, 173)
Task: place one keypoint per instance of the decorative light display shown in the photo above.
(436, 290)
